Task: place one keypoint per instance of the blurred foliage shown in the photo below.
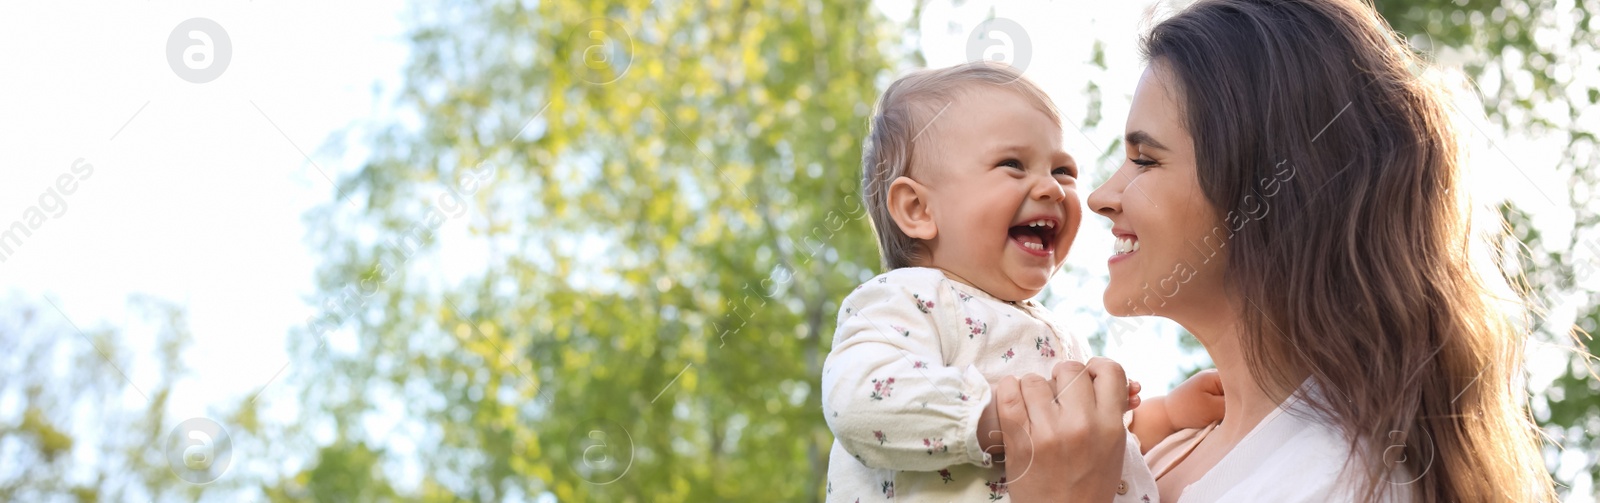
(664, 226)
(56, 377)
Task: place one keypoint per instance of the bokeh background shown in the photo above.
(558, 250)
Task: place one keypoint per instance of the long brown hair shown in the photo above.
(1354, 271)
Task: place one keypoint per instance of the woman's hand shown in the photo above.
(1064, 439)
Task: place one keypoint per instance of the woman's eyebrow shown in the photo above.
(1141, 138)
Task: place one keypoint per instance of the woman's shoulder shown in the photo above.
(1295, 455)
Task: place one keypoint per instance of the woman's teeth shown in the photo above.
(1033, 246)
(1126, 245)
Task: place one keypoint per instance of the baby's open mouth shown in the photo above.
(1037, 235)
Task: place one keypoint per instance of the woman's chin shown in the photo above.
(1118, 303)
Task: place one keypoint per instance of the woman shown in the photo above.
(1292, 192)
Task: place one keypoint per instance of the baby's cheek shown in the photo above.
(1074, 215)
(1074, 205)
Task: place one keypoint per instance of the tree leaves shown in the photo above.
(660, 249)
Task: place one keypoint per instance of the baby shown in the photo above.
(975, 205)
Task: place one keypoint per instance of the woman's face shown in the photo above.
(1169, 253)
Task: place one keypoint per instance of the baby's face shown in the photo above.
(1003, 193)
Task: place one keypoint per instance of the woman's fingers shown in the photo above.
(1013, 414)
(1110, 387)
(1072, 385)
(1041, 402)
(1074, 450)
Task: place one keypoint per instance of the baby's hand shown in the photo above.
(1133, 394)
(1196, 402)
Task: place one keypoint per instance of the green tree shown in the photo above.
(660, 213)
(67, 427)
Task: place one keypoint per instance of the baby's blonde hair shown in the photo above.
(906, 112)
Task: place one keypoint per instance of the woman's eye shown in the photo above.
(1011, 163)
(1141, 162)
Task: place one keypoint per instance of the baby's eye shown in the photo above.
(1064, 171)
(1011, 163)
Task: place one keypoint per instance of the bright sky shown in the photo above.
(198, 190)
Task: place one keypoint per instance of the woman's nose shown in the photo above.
(1107, 198)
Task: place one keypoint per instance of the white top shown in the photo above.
(909, 375)
(1291, 456)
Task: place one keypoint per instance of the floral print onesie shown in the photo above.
(909, 375)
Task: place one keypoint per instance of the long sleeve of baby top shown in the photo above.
(891, 397)
(908, 377)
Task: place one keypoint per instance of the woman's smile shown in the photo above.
(1125, 245)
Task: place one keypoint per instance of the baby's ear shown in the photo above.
(909, 205)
